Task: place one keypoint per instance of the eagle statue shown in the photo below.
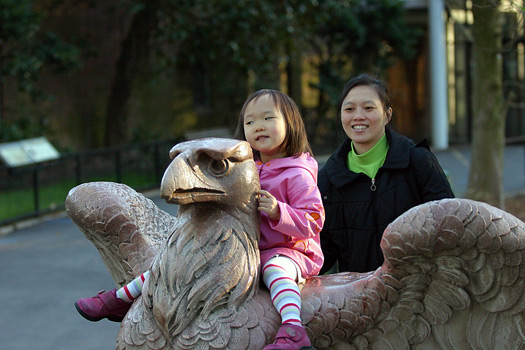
(453, 276)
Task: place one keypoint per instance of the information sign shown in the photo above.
(25, 152)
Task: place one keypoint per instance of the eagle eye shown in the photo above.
(218, 167)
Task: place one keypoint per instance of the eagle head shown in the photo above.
(214, 170)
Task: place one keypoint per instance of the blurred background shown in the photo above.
(92, 74)
(113, 84)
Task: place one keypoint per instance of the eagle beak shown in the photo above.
(181, 184)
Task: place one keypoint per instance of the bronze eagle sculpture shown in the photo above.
(453, 276)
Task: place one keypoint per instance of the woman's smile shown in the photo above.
(363, 117)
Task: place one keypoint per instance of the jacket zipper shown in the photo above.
(373, 188)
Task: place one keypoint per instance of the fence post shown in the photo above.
(156, 161)
(118, 166)
(78, 172)
(36, 190)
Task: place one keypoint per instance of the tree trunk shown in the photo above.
(488, 134)
(1, 95)
(294, 71)
(1, 104)
(134, 51)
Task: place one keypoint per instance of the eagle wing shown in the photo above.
(453, 278)
(126, 227)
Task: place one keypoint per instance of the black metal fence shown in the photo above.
(39, 189)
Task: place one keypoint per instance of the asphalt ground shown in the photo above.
(44, 268)
(47, 263)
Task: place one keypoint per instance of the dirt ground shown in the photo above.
(516, 206)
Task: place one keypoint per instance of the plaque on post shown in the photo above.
(25, 152)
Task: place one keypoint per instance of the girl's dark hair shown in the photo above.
(296, 139)
(366, 80)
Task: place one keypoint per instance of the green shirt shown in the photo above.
(368, 163)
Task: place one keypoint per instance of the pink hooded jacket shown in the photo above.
(293, 182)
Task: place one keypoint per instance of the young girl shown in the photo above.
(292, 216)
(290, 203)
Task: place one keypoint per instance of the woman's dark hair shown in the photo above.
(296, 139)
(366, 80)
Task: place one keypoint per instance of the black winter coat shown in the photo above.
(357, 213)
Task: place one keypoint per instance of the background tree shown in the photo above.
(134, 53)
(26, 52)
(351, 37)
(488, 130)
(213, 43)
(158, 68)
(228, 47)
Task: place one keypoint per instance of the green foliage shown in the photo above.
(354, 36)
(246, 34)
(26, 50)
(169, 109)
(348, 35)
(20, 202)
(223, 48)
(23, 128)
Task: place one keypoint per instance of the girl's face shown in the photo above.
(364, 117)
(265, 128)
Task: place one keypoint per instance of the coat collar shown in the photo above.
(396, 158)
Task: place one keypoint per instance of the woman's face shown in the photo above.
(364, 117)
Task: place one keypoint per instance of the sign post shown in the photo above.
(26, 152)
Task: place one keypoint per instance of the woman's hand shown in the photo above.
(269, 205)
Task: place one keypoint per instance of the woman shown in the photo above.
(373, 177)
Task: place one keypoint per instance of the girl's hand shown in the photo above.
(268, 204)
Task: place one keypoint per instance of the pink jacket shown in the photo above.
(293, 182)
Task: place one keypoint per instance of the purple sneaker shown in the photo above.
(103, 305)
(290, 337)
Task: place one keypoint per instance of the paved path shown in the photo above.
(456, 163)
(45, 267)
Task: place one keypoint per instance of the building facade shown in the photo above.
(422, 84)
